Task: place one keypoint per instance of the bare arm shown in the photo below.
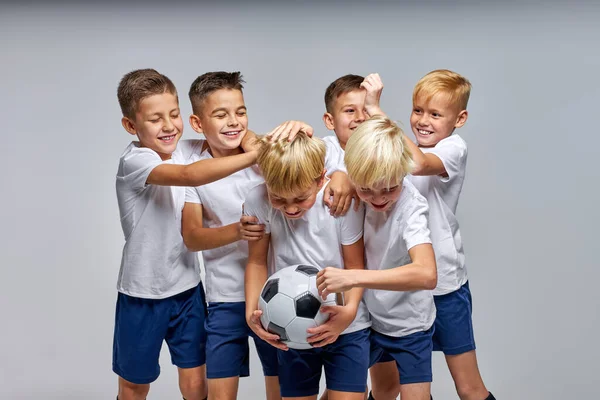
(198, 238)
(420, 274)
(354, 256)
(425, 163)
(201, 172)
(256, 272)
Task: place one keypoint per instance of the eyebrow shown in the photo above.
(225, 109)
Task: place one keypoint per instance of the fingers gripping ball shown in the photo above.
(290, 304)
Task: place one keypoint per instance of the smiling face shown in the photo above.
(436, 119)
(348, 111)
(380, 197)
(296, 204)
(223, 120)
(157, 123)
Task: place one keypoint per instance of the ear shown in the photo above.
(195, 123)
(321, 179)
(129, 125)
(328, 120)
(461, 119)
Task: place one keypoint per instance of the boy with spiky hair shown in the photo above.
(439, 107)
(300, 230)
(211, 223)
(399, 258)
(160, 293)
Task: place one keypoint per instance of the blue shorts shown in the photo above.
(412, 354)
(227, 351)
(453, 323)
(141, 325)
(346, 362)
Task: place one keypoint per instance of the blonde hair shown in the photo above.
(376, 154)
(455, 86)
(291, 166)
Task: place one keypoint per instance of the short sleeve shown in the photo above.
(352, 225)
(192, 195)
(188, 151)
(334, 156)
(452, 151)
(257, 205)
(416, 229)
(136, 166)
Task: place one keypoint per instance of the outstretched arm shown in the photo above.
(420, 274)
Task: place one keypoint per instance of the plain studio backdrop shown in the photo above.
(528, 211)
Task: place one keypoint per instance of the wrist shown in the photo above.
(374, 110)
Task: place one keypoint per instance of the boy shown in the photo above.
(439, 107)
(300, 229)
(211, 224)
(349, 100)
(400, 262)
(160, 293)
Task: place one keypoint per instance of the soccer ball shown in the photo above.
(290, 304)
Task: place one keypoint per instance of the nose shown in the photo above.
(423, 120)
(232, 121)
(378, 198)
(292, 209)
(360, 116)
(168, 126)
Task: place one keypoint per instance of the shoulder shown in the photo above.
(135, 157)
(410, 198)
(256, 197)
(189, 150)
(453, 143)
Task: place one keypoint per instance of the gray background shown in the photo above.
(528, 210)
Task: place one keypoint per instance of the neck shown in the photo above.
(218, 153)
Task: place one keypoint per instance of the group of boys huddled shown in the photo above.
(374, 210)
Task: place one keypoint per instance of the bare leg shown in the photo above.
(467, 379)
(192, 382)
(415, 391)
(385, 380)
(132, 391)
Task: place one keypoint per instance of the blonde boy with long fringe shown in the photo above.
(439, 107)
(300, 230)
(400, 263)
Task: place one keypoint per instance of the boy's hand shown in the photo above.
(250, 142)
(253, 321)
(339, 193)
(335, 280)
(340, 317)
(249, 229)
(374, 86)
(289, 129)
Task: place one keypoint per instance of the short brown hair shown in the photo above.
(456, 86)
(210, 82)
(139, 84)
(345, 84)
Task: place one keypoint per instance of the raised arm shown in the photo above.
(425, 163)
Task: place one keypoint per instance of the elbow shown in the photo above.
(189, 243)
(430, 281)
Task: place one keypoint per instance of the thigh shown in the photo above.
(140, 328)
(227, 351)
(299, 372)
(346, 362)
(186, 335)
(412, 354)
(453, 323)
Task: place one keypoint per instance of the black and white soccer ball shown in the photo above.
(290, 304)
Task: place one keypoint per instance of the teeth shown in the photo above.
(167, 138)
(422, 132)
(231, 133)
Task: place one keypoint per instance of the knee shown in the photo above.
(130, 390)
(193, 386)
(386, 391)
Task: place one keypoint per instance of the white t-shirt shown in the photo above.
(314, 239)
(222, 205)
(335, 155)
(442, 193)
(155, 263)
(388, 237)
